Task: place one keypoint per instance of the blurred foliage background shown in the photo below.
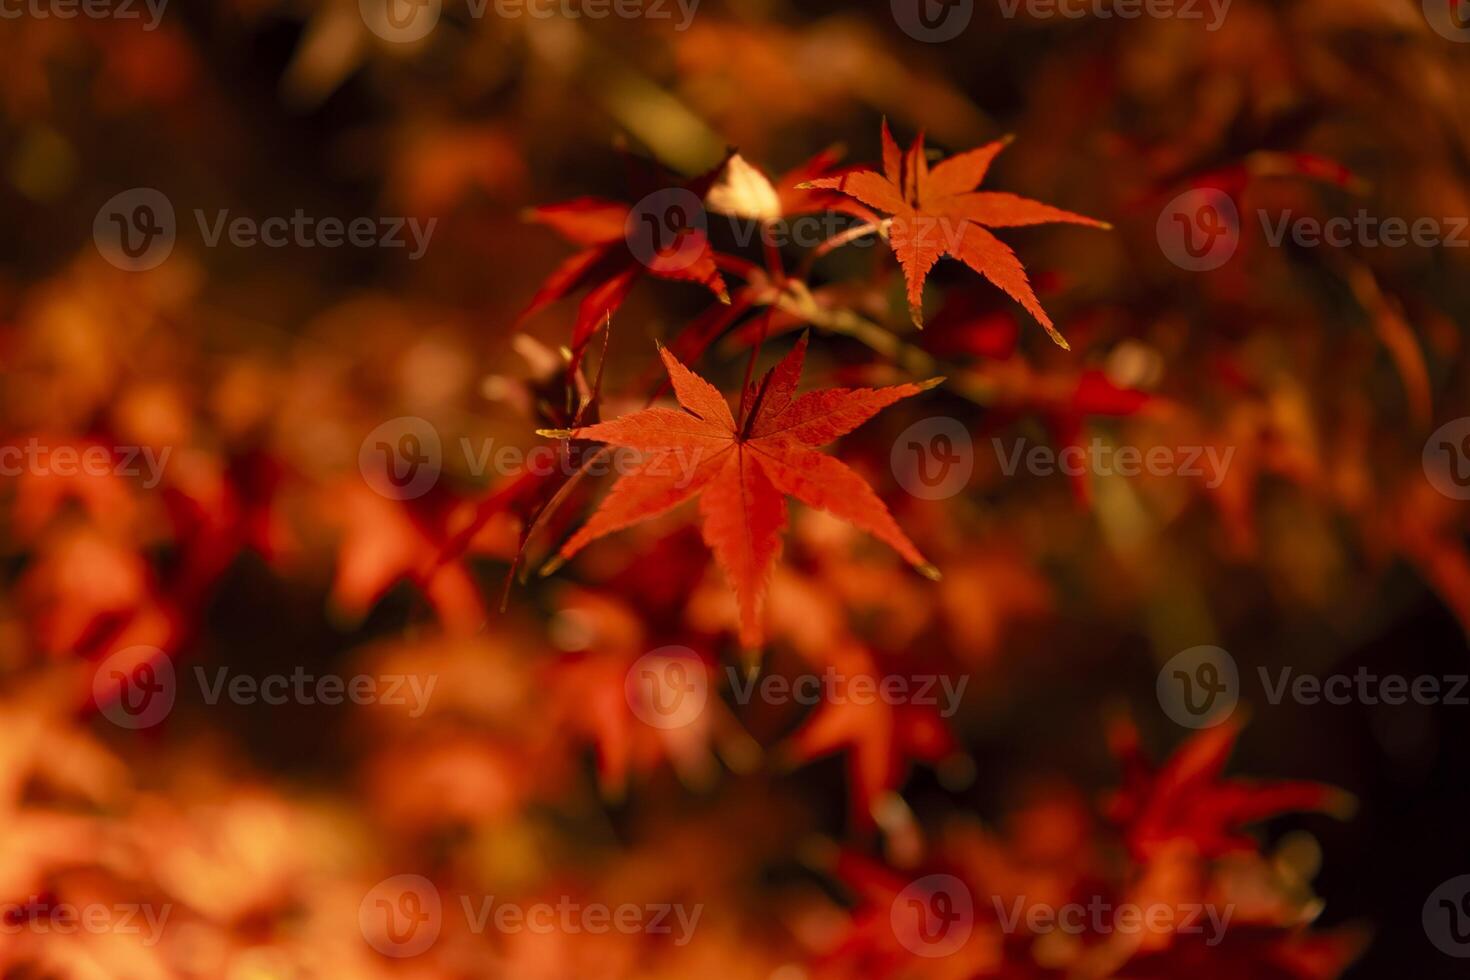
(262, 549)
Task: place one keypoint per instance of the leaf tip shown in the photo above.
(931, 383)
(555, 433)
(929, 571)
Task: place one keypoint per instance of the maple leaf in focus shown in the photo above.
(743, 473)
(938, 212)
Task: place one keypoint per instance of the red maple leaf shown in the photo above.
(881, 737)
(743, 472)
(620, 249)
(938, 212)
(1187, 799)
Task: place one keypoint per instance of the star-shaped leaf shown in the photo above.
(938, 212)
(742, 473)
